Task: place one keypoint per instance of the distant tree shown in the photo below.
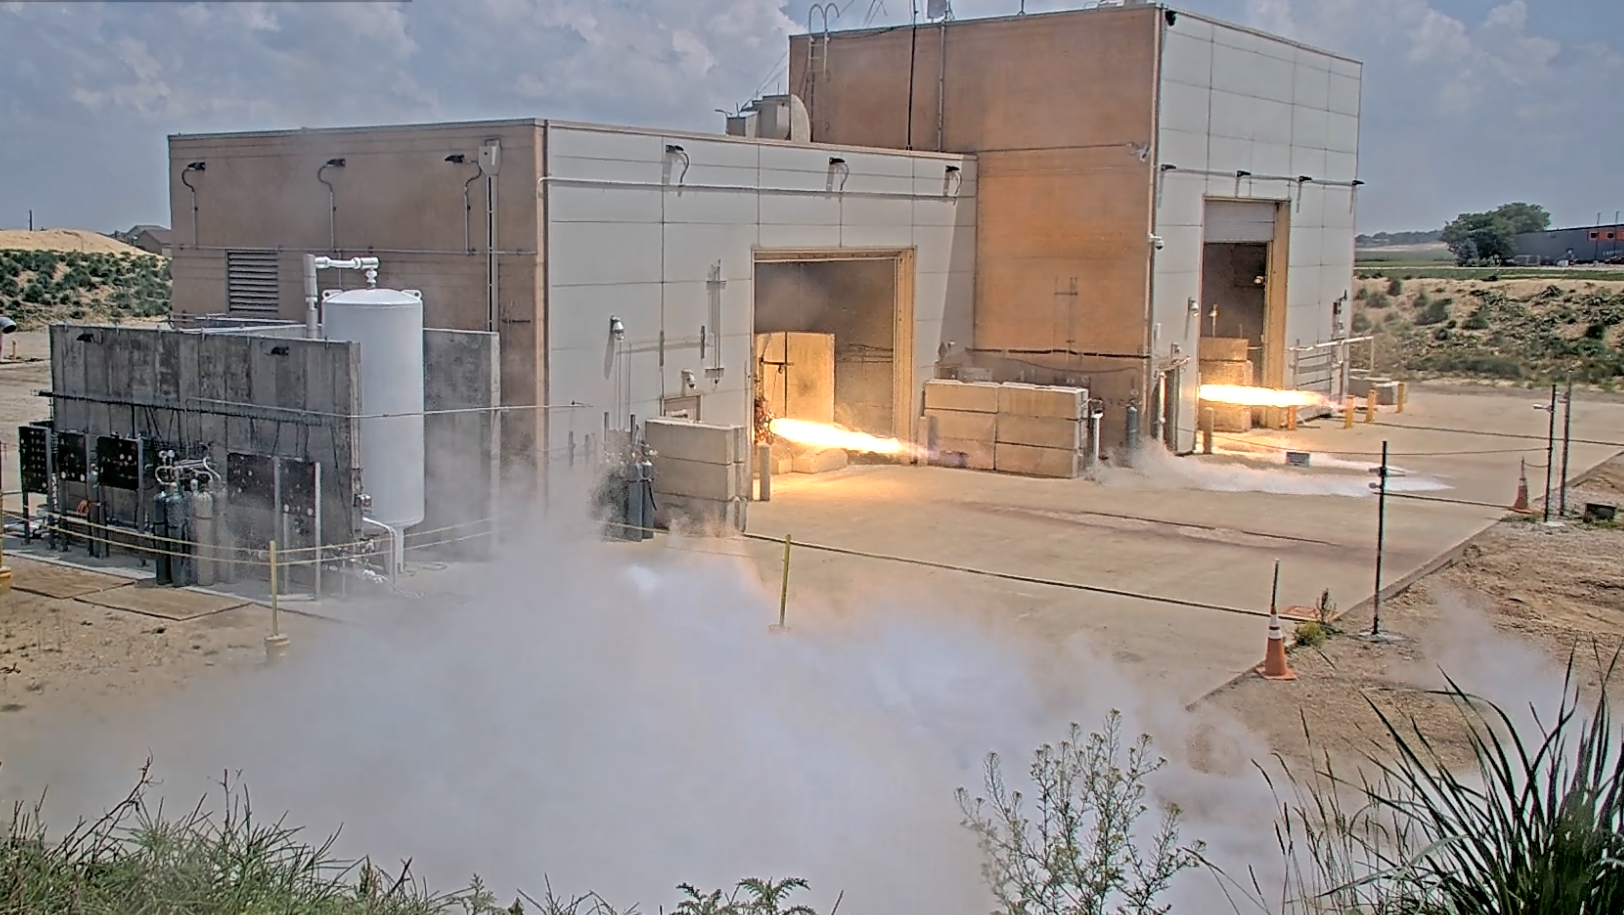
(1476, 238)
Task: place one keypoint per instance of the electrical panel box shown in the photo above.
(299, 487)
(490, 157)
(71, 462)
(34, 458)
(118, 462)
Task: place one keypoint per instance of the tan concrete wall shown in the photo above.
(1057, 107)
(396, 198)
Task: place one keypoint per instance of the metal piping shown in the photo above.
(735, 188)
(397, 546)
(313, 263)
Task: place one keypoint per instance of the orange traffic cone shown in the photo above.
(1520, 506)
(1274, 657)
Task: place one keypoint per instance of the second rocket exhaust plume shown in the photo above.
(822, 435)
(1247, 396)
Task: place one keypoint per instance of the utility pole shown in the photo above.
(1567, 438)
(1550, 454)
(1381, 543)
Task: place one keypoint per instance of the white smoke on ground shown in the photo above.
(622, 724)
(1157, 468)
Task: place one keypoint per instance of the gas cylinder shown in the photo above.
(186, 562)
(203, 535)
(163, 568)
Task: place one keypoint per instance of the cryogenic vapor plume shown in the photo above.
(622, 725)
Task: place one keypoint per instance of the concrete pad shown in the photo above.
(697, 442)
(1042, 400)
(1040, 432)
(51, 580)
(970, 454)
(150, 599)
(821, 461)
(968, 397)
(961, 425)
(1037, 462)
(1184, 529)
(698, 479)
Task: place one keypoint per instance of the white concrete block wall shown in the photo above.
(637, 246)
(1233, 100)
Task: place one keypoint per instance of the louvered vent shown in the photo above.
(252, 285)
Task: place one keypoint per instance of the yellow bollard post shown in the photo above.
(1347, 412)
(5, 570)
(276, 644)
(783, 593)
(1370, 406)
(1403, 395)
(1209, 419)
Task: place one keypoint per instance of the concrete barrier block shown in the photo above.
(1042, 400)
(958, 424)
(1241, 373)
(1222, 349)
(701, 517)
(1037, 462)
(698, 479)
(970, 453)
(820, 461)
(701, 442)
(963, 396)
(1040, 431)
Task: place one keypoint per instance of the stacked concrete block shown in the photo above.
(1040, 430)
(960, 423)
(1223, 360)
(701, 473)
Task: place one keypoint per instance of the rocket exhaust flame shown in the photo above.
(821, 435)
(1245, 396)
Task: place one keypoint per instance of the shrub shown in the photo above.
(1378, 299)
(1477, 320)
(1395, 286)
(1081, 856)
(1541, 818)
(1311, 634)
(1432, 312)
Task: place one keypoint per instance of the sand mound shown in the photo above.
(64, 240)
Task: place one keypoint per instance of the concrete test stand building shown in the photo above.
(1148, 178)
(1131, 200)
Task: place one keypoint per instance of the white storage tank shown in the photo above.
(388, 325)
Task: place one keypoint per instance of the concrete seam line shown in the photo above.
(1010, 576)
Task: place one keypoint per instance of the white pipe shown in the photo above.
(545, 180)
(315, 262)
(397, 546)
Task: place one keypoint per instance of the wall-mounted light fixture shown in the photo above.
(1304, 179)
(952, 180)
(198, 166)
(1242, 173)
(837, 165)
(332, 202)
(1358, 183)
(617, 328)
(1169, 167)
(467, 201)
(673, 151)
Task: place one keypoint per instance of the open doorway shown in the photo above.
(834, 340)
(1234, 291)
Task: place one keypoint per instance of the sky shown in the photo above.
(1467, 103)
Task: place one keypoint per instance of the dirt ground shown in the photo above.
(1557, 591)
(64, 240)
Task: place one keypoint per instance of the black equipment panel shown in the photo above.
(34, 458)
(298, 487)
(118, 462)
(70, 456)
(251, 479)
